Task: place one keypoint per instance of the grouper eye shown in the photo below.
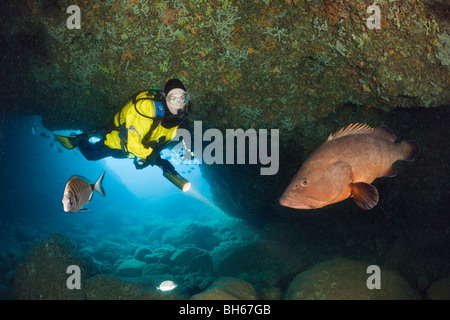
(304, 182)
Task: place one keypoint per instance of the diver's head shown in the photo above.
(176, 96)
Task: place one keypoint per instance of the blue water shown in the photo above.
(36, 169)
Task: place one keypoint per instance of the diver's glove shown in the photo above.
(140, 163)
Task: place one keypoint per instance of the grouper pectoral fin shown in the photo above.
(366, 195)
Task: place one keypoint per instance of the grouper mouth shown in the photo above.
(300, 202)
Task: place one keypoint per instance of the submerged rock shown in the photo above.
(154, 231)
(155, 269)
(228, 288)
(268, 262)
(269, 293)
(160, 255)
(141, 252)
(42, 272)
(109, 251)
(440, 290)
(201, 263)
(200, 236)
(5, 292)
(184, 255)
(103, 287)
(343, 279)
(130, 268)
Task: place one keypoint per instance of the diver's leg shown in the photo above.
(98, 150)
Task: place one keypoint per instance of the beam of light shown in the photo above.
(199, 188)
(147, 183)
(150, 182)
(194, 192)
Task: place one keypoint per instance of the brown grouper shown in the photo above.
(345, 166)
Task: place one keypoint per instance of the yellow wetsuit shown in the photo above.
(134, 121)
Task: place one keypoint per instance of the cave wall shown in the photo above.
(283, 64)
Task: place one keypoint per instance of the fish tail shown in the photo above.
(410, 150)
(98, 184)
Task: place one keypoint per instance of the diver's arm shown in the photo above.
(140, 163)
(165, 165)
(155, 159)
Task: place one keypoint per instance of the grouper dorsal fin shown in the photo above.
(385, 133)
(354, 128)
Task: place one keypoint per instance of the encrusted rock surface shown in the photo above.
(246, 63)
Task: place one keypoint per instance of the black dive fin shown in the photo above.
(366, 195)
(70, 142)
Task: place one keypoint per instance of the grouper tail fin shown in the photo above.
(410, 150)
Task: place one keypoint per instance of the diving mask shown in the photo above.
(178, 98)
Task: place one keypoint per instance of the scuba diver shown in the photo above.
(142, 129)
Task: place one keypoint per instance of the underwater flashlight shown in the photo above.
(174, 177)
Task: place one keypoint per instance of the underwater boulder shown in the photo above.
(7, 261)
(152, 269)
(343, 279)
(399, 253)
(130, 268)
(152, 258)
(439, 290)
(161, 254)
(106, 287)
(268, 262)
(5, 292)
(109, 251)
(141, 252)
(198, 235)
(42, 272)
(228, 288)
(201, 263)
(183, 256)
(201, 236)
(269, 293)
(154, 231)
